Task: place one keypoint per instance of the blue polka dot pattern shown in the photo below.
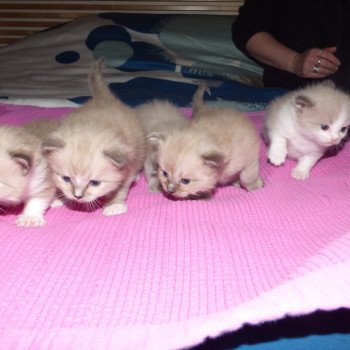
(104, 33)
(161, 56)
(177, 92)
(120, 50)
(115, 53)
(67, 57)
(146, 57)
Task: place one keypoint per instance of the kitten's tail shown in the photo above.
(197, 100)
(99, 89)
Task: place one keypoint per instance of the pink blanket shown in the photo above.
(170, 273)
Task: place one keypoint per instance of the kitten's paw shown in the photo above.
(259, 183)
(300, 174)
(154, 186)
(276, 157)
(115, 209)
(30, 220)
(237, 183)
(56, 203)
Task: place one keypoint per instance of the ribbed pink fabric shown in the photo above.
(168, 273)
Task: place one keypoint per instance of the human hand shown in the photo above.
(316, 63)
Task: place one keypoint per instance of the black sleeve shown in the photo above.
(254, 16)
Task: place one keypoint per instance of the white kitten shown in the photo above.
(159, 119)
(99, 149)
(220, 147)
(302, 124)
(24, 174)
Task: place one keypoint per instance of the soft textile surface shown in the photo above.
(168, 273)
(147, 56)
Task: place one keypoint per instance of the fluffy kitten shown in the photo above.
(220, 147)
(302, 124)
(24, 174)
(99, 149)
(159, 119)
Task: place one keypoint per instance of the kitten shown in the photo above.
(99, 149)
(159, 119)
(24, 174)
(220, 147)
(302, 124)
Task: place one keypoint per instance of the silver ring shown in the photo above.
(318, 62)
(316, 69)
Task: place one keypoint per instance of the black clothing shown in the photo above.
(299, 25)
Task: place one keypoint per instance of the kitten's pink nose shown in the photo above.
(77, 193)
(171, 187)
(334, 140)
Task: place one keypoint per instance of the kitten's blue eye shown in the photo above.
(94, 183)
(324, 126)
(66, 178)
(343, 129)
(165, 174)
(185, 181)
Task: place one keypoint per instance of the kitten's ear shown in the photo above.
(156, 137)
(303, 102)
(53, 143)
(213, 159)
(118, 157)
(23, 159)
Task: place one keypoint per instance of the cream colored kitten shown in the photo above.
(24, 174)
(99, 149)
(159, 119)
(220, 147)
(302, 124)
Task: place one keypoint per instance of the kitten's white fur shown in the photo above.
(159, 118)
(294, 125)
(24, 174)
(99, 149)
(220, 147)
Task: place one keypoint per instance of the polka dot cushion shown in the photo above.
(147, 56)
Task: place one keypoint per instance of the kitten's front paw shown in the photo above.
(300, 174)
(115, 209)
(237, 183)
(259, 183)
(154, 186)
(56, 203)
(276, 157)
(30, 221)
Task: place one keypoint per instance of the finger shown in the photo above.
(325, 64)
(329, 56)
(320, 72)
(330, 49)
